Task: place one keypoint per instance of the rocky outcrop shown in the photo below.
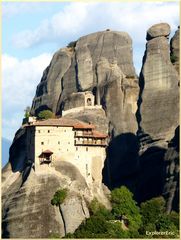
(26, 203)
(51, 85)
(159, 94)
(27, 208)
(158, 118)
(95, 116)
(142, 161)
(158, 30)
(171, 178)
(175, 49)
(102, 63)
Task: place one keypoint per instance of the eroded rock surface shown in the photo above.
(158, 30)
(102, 63)
(175, 49)
(159, 109)
(26, 203)
(158, 118)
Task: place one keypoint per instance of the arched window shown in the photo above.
(89, 102)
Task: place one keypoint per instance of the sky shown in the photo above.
(32, 32)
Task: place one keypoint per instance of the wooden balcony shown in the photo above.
(45, 157)
(83, 134)
(91, 142)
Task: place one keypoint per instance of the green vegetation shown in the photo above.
(57, 200)
(131, 76)
(124, 205)
(126, 219)
(152, 209)
(54, 235)
(98, 227)
(59, 197)
(27, 112)
(155, 218)
(46, 114)
(174, 217)
(173, 58)
(99, 210)
(72, 44)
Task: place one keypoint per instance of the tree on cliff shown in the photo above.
(27, 112)
(46, 114)
(104, 223)
(155, 218)
(124, 207)
(57, 200)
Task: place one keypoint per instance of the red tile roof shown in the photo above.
(47, 151)
(82, 125)
(43, 154)
(64, 122)
(68, 122)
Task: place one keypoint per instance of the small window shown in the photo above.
(67, 150)
(76, 148)
(87, 149)
(58, 142)
(89, 102)
(48, 131)
(64, 130)
(42, 143)
(38, 131)
(68, 142)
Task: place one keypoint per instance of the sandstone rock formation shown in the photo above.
(158, 118)
(102, 63)
(174, 48)
(159, 92)
(141, 119)
(171, 178)
(26, 202)
(158, 30)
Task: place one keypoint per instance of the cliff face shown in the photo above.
(26, 201)
(174, 48)
(102, 63)
(159, 110)
(158, 118)
(140, 116)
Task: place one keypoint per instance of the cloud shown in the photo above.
(80, 18)
(20, 78)
(11, 9)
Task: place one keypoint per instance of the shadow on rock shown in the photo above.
(151, 177)
(5, 231)
(144, 175)
(171, 187)
(122, 162)
(17, 151)
(41, 108)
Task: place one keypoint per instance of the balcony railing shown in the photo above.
(83, 134)
(90, 143)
